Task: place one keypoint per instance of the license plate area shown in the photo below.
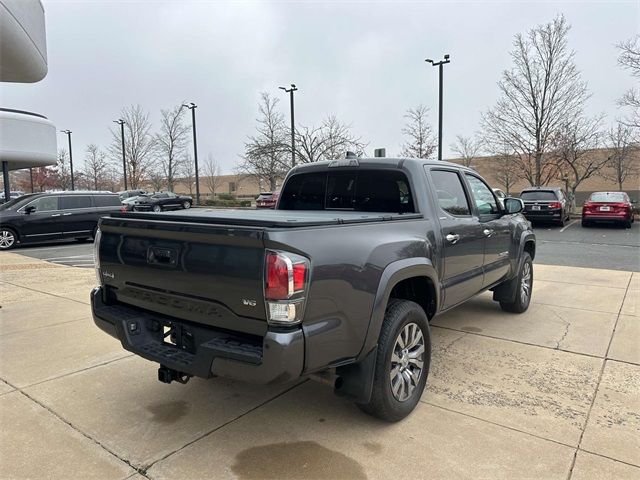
(535, 207)
(605, 209)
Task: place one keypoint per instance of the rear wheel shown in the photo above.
(186, 204)
(402, 362)
(8, 238)
(627, 224)
(523, 286)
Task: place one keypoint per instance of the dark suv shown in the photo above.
(53, 216)
(546, 204)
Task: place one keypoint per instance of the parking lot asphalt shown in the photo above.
(605, 246)
(553, 393)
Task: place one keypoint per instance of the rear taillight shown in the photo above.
(96, 254)
(555, 205)
(285, 286)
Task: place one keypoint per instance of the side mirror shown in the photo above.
(513, 205)
(30, 209)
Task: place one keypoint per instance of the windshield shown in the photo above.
(544, 195)
(15, 201)
(608, 197)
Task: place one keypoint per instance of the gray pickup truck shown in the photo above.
(338, 283)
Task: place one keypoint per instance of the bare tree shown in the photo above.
(421, 139)
(330, 141)
(629, 58)
(157, 180)
(139, 144)
(171, 143)
(624, 155)
(266, 153)
(211, 170)
(188, 170)
(95, 167)
(62, 175)
(505, 167)
(541, 94)
(467, 148)
(574, 149)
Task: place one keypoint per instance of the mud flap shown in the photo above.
(357, 378)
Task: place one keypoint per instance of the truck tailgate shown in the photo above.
(210, 274)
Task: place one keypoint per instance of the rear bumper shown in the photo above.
(547, 216)
(607, 217)
(202, 351)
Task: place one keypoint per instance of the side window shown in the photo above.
(451, 197)
(75, 201)
(482, 196)
(45, 204)
(106, 200)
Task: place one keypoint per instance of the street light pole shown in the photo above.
(68, 133)
(121, 122)
(290, 91)
(192, 106)
(439, 65)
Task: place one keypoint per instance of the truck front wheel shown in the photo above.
(402, 363)
(523, 285)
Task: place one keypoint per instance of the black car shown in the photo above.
(546, 204)
(157, 202)
(38, 217)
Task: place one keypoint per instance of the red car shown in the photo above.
(267, 200)
(608, 207)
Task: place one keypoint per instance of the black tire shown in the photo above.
(586, 224)
(156, 208)
(400, 315)
(186, 204)
(561, 222)
(8, 238)
(627, 224)
(521, 301)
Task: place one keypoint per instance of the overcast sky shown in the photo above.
(363, 61)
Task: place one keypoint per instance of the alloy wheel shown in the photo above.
(525, 284)
(407, 361)
(7, 239)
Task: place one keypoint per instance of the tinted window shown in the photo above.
(544, 195)
(160, 195)
(45, 204)
(608, 197)
(482, 196)
(451, 197)
(106, 200)
(363, 191)
(75, 201)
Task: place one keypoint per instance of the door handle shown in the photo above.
(452, 237)
(65, 214)
(488, 232)
(55, 214)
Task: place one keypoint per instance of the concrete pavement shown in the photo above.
(553, 393)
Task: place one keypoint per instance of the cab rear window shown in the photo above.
(363, 191)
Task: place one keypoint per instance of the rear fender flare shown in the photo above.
(393, 274)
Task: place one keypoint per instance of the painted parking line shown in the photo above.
(567, 226)
(54, 259)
